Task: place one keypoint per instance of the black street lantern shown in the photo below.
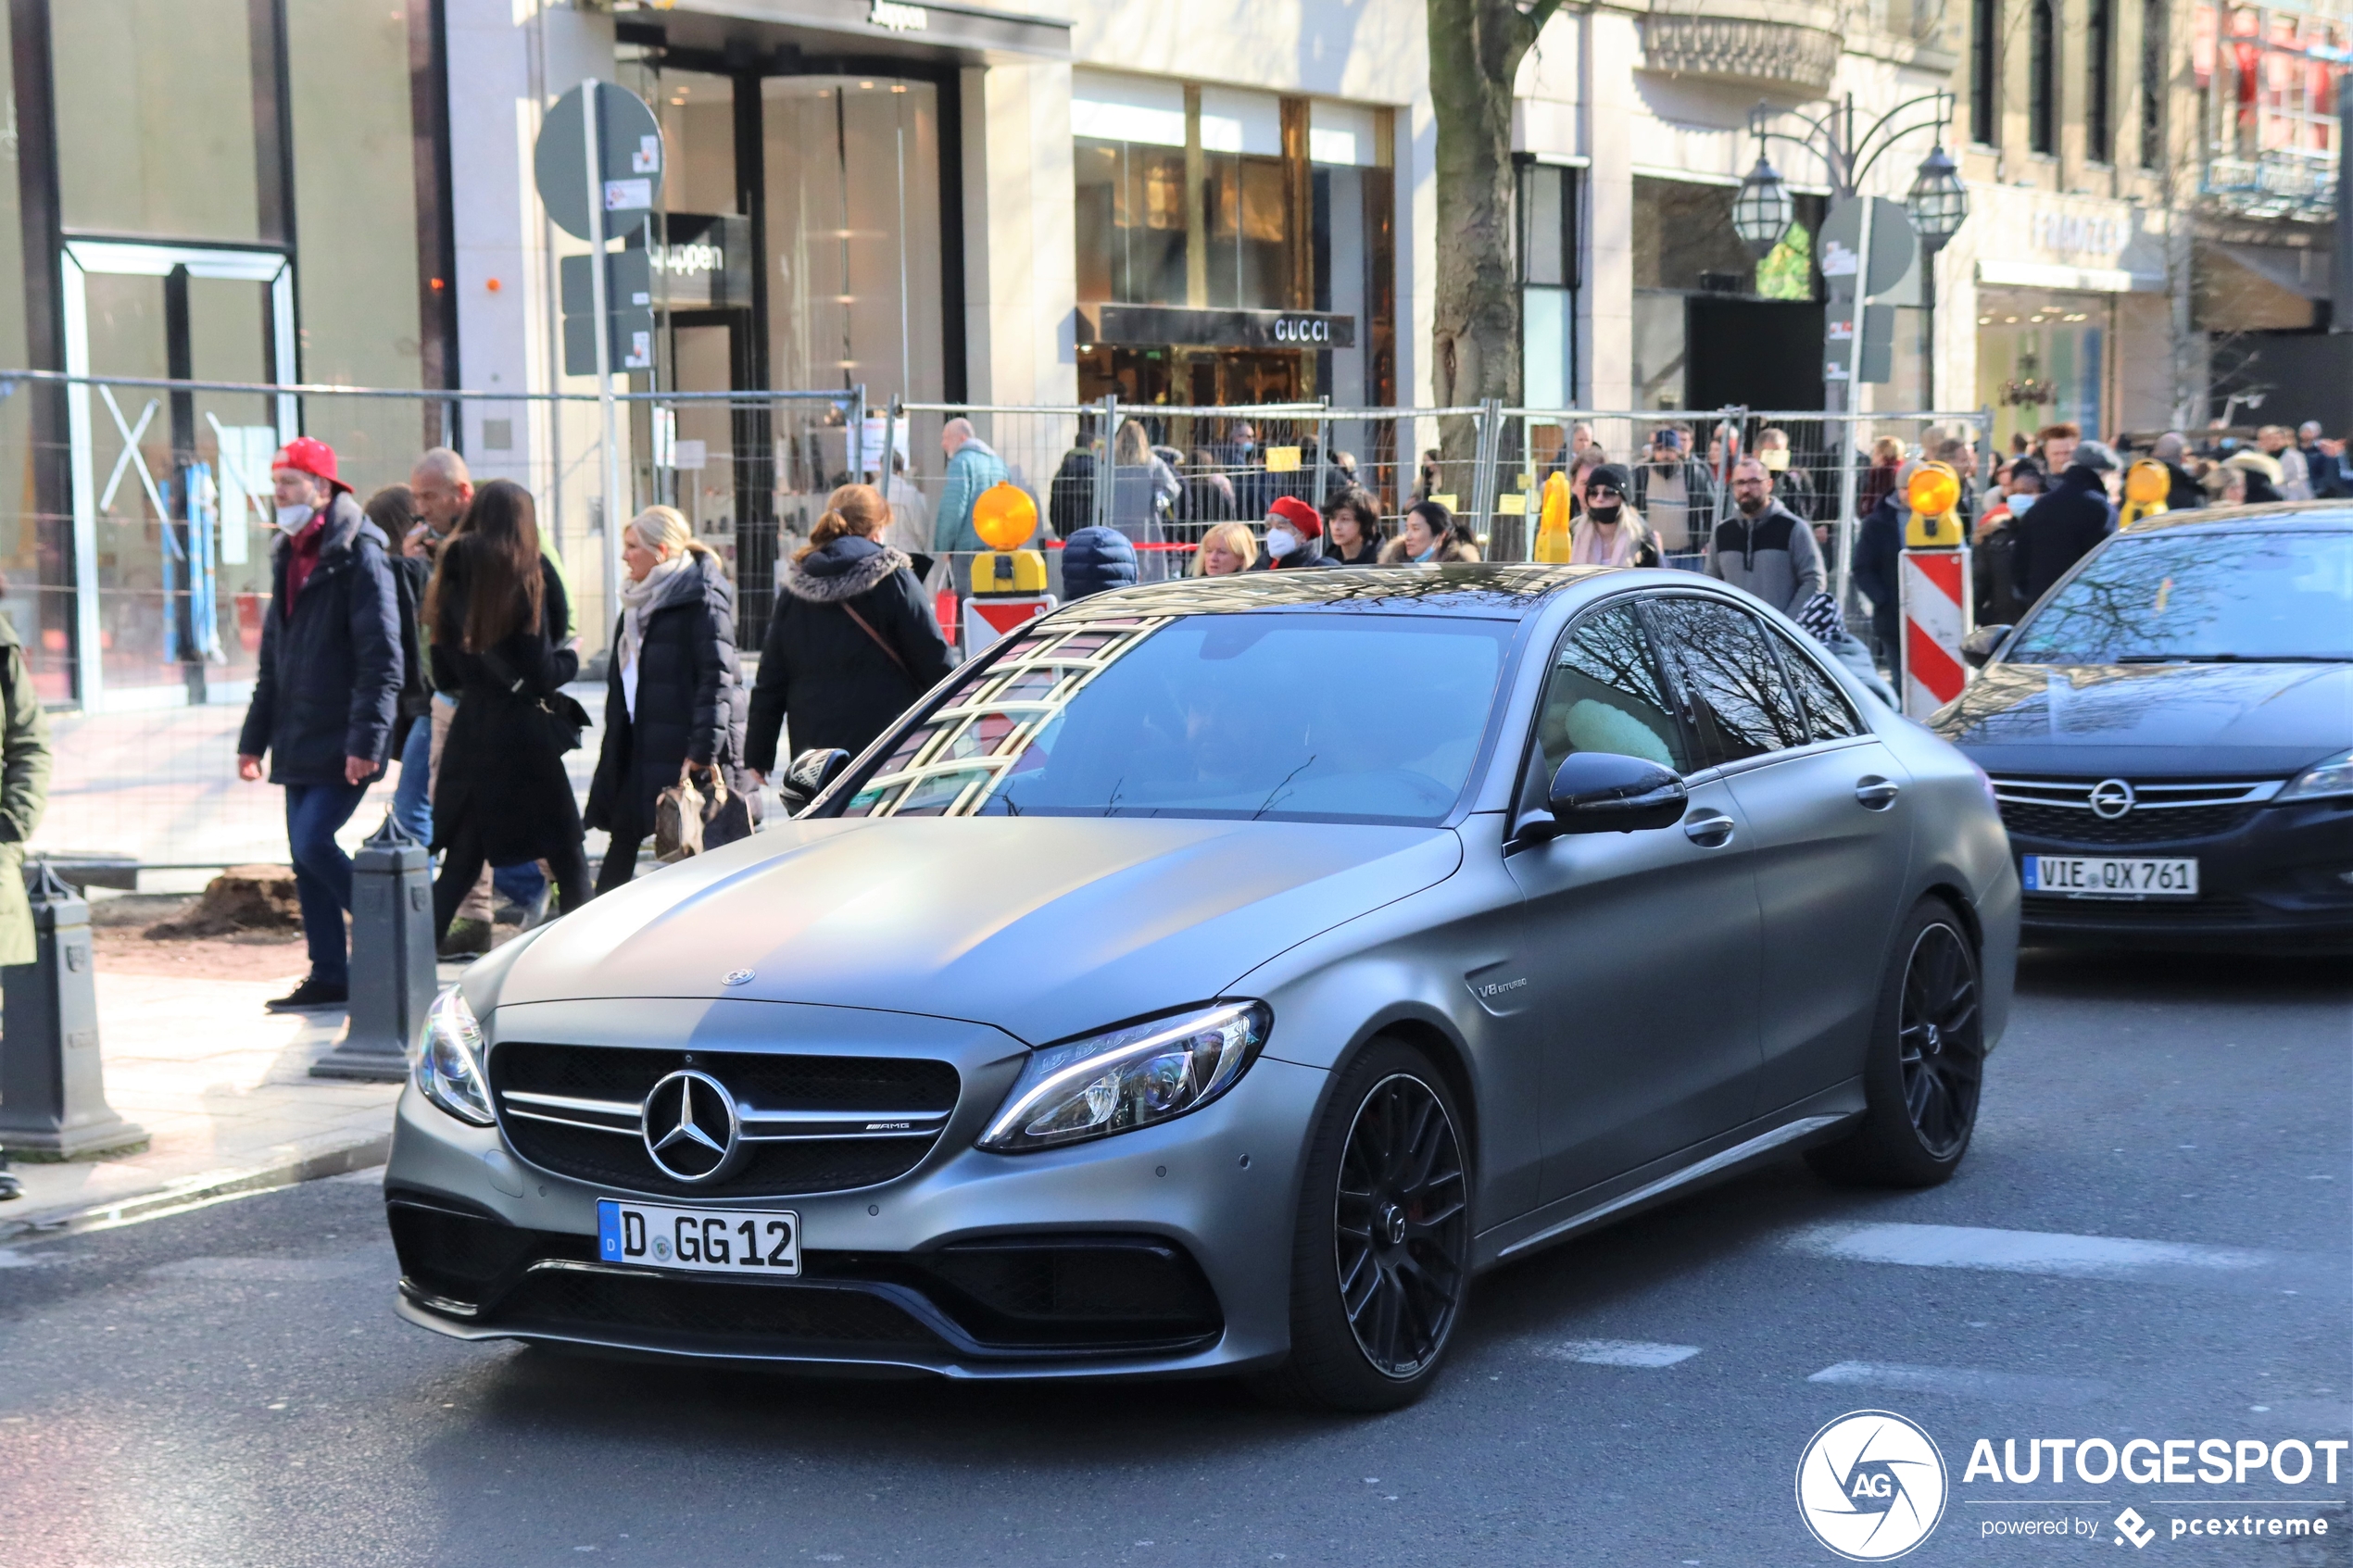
(1764, 209)
(1938, 202)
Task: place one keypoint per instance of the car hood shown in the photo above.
(1042, 926)
(2215, 719)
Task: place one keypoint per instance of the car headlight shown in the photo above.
(2332, 775)
(1128, 1077)
(449, 1061)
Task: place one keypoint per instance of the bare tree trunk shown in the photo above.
(1475, 50)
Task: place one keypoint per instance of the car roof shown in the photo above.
(2271, 517)
(1486, 590)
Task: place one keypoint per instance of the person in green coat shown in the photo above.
(24, 790)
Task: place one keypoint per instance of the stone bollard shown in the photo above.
(391, 957)
(52, 1098)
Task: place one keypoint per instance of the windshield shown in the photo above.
(2158, 597)
(1317, 717)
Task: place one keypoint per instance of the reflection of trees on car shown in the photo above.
(1732, 678)
(2133, 592)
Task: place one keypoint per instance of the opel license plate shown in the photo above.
(2110, 876)
(710, 1241)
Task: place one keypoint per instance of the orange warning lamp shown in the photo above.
(1004, 516)
(1551, 528)
(1934, 493)
(2146, 486)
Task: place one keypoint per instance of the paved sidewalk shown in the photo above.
(223, 1091)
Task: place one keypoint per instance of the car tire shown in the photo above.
(1380, 1260)
(1925, 1063)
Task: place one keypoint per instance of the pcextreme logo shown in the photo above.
(1871, 1486)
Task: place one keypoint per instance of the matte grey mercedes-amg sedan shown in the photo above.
(1214, 977)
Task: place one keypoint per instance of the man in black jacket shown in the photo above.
(2066, 524)
(1878, 554)
(325, 694)
(2182, 491)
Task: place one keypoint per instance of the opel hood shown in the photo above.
(2244, 720)
(1042, 926)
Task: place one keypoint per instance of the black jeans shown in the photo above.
(461, 866)
(620, 862)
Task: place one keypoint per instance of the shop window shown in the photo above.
(1249, 240)
(1548, 278)
(2042, 78)
(155, 106)
(355, 206)
(1131, 223)
(2153, 16)
(853, 240)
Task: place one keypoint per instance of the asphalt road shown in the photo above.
(228, 1386)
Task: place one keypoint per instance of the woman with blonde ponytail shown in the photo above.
(675, 697)
(853, 641)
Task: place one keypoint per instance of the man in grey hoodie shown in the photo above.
(1763, 547)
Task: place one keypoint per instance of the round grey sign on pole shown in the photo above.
(1840, 240)
(633, 160)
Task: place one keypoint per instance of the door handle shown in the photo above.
(1877, 793)
(1711, 832)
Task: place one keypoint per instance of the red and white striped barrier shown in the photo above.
(1933, 588)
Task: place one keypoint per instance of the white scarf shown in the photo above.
(639, 596)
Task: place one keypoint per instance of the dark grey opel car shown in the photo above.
(1215, 977)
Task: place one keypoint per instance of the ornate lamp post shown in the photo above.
(1933, 211)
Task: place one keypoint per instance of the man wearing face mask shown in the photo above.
(325, 694)
(1294, 536)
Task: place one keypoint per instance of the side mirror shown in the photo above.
(1979, 646)
(807, 778)
(1603, 792)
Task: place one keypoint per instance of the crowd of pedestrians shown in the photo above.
(431, 627)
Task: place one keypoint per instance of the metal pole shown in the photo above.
(1323, 460)
(1854, 396)
(1104, 472)
(593, 139)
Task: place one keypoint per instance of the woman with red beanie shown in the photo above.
(1294, 537)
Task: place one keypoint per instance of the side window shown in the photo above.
(1740, 701)
(1604, 694)
(1828, 713)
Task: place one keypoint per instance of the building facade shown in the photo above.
(995, 205)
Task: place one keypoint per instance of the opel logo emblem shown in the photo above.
(739, 977)
(690, 1127)
(2111, 798)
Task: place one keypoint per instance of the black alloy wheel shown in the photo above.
(1939, 1046)
(1381, 1241)
(1401, 1225)
(1924, 1064)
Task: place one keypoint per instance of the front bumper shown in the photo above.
(2281, 881)
(1164, 1251)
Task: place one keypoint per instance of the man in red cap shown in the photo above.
(325, 694)
(1294, 536)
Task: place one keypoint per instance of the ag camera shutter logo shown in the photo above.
(1871, 1486)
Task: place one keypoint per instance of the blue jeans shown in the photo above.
(411, 799)
(323, 872)
(519, 883)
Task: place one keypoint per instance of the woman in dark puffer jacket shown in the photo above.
(501, 633)
(851, 644)
(673, 691)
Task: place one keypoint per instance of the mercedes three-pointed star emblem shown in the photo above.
(690, 1127)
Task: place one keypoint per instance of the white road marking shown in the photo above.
(1963, 1383)
(2022, 1252)
(1619, 1353)
(273, 1270)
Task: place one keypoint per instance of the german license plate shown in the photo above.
(2110, 876)
(707, 1241)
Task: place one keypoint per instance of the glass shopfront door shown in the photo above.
(171, 496)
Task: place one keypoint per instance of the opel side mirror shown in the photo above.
(1603, 792)
(810, 773)
(1979, 646)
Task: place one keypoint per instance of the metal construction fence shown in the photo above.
(136, 568)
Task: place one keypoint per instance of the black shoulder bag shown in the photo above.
(565, 718)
